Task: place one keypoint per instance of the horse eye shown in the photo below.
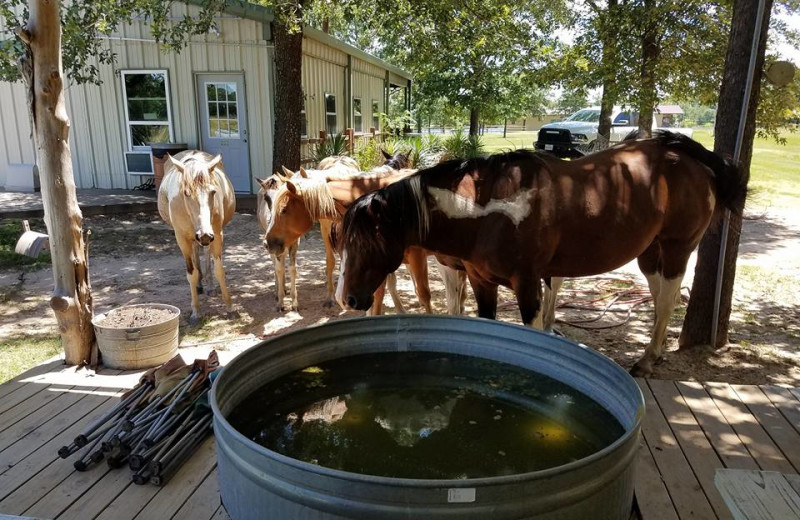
(186, 193)
(268, 200)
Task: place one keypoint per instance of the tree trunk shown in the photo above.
(505, 127)
(288, 97)
(44, 78)
(609, 68)
(697, 325)
(474, 115)
(648, 96)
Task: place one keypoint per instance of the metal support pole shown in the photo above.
(726, 223)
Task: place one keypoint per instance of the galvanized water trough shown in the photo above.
(258, 483)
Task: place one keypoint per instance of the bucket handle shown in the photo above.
(132, 335)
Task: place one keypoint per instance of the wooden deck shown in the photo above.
(690, 430)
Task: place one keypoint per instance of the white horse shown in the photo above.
(197, 200)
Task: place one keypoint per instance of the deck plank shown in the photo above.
(14, 414)
(753, 436)
(25, 467)
(693, 442)
(221, 514)
(38, 417)
(76, 407)
(190, 476)
(136, 500)
(685, 491)
(719, 433)
(204, 502)
(770, 418)
(102, 493)
(758, 495)
(51, 474)
(15, 383)
(652, 496)
(783, 399)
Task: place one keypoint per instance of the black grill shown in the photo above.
(554, 136)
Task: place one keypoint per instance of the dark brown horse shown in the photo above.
(516, 218)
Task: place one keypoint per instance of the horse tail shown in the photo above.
(730, 180)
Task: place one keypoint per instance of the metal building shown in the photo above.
(216, 94)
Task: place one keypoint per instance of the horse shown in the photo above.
(197, 200)
(517, 218)
(306, 199)
(339, 164)
(264, 200)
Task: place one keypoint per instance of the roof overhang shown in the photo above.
(263, 14)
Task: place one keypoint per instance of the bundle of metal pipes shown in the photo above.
(155, 427)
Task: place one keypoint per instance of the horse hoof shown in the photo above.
(193, 320)
(199, 289)
(328, 304)
(295, 308)
(639, 371)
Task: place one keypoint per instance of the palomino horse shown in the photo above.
(196, 199)
(264, 200)
(514, 219)
(339, 165)
(305, 198)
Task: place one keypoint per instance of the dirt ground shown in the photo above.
(134, 259)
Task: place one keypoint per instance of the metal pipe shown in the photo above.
(114, 411)
(168, 468)
(185, 387)
(726, 223)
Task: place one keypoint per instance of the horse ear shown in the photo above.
(303, 173)
(385, 154)
(262, 182)
(292, 187)
(287, 172)
(176, 162)
(215, 162)
(407, 154)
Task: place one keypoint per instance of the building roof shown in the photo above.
(263, 14)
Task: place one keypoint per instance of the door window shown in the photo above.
(330, 114)
(223, 113)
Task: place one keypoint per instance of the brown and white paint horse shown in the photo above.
(323, 196)
(514, 219)
(197, 200)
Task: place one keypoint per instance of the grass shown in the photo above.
(774, 173)
(23, 352)
(10, 231)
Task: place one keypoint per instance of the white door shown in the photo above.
(223, 124)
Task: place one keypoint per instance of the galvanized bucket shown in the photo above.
(140, 347)
(258, 483)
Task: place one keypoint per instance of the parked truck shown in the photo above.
(577, 135)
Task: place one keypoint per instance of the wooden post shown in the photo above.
(323, 135)
(44, 79)
(351, 136)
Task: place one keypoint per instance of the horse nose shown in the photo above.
(352, 301)
(204, 238)
(275, 245)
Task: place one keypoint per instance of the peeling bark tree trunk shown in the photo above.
(474, 117)
(44, 78)
(288, 97)
(650, 54)
(697, 325)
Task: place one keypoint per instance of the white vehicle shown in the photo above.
(576, 135)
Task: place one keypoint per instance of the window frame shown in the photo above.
(376, 120)
(358, 128)
(334, 113)
(129, 123)
(227, 116)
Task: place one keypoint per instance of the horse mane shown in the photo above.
(338, 160)
(195, 174)
(316, 196)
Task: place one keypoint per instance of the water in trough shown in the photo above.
(425, 416)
